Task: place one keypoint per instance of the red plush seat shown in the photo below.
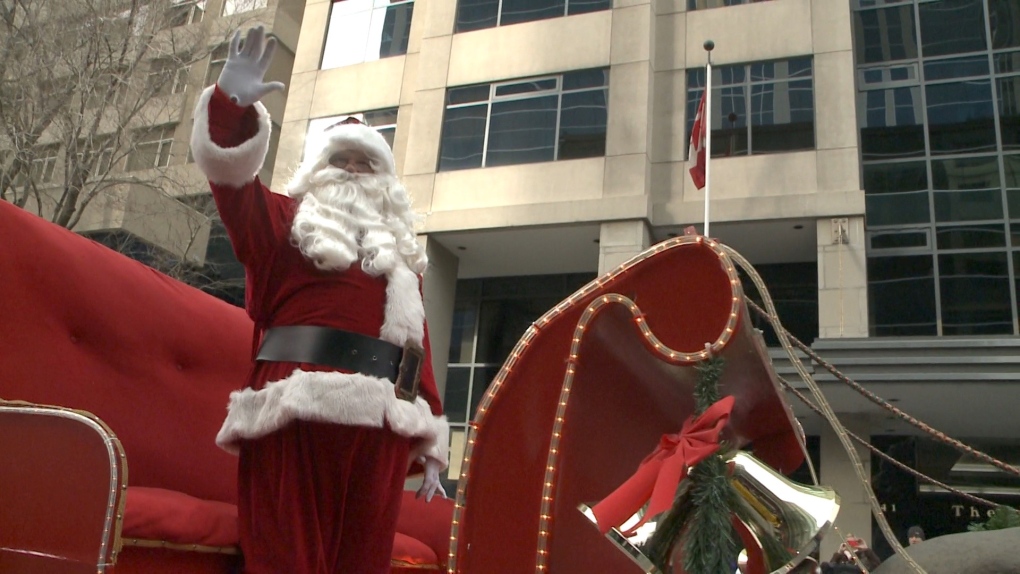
(177, 518)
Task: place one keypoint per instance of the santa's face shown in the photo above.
(349, 211)
(352, 161)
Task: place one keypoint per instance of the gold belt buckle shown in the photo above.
(409, 373)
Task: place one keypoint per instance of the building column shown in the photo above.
(439, 288)
(838, 473)
(842, 278)
(438, 291)
(621, 240)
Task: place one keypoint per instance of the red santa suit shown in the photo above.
(323, 452)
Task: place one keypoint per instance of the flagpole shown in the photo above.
(709, 45)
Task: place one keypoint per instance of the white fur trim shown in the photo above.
(233, 166)
(439, 450)
(349, 399)
(352, 136)
(405, 313)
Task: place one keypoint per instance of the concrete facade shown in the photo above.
(638, 192)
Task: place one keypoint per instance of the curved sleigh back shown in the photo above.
(587, 394)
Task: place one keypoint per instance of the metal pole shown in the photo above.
(707, 121)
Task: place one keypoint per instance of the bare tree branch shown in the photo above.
(92, 97)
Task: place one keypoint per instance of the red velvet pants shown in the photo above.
(320, 498)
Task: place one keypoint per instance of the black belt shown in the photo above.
(345, 350)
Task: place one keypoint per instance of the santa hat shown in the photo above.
(352, 134)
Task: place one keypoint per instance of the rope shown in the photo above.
(938, 435)
(825, 407)
(889, 459)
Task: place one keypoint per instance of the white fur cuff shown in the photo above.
(349, 399)
(233, 166)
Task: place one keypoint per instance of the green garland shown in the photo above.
(700, 516)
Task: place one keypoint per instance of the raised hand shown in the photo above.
(246, 67)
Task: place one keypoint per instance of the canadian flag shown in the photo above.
(696, 153)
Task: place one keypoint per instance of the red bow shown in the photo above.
(660, 473)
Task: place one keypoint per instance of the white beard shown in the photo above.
(344, 217)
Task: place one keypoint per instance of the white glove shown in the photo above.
(246, 66)
(431, 484)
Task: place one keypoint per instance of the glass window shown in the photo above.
(455, 398)
(366, 30)
(1008, 93)
(956, 68)
(885, 35)
(500, 310)
(583, 125)
(964, 275)
(231, 7)
(462, 335)
(479, 14)
(777, 97)
(184, 12)
(706, 4)
(971, 236)
(522, 131)
(953, 208)
(952, 27)
(515, 11)
(794, 291)
(898, 239)
(967, 189)
(502, 322)
(960, 117)
(152, 148)
(97, 155)
(41, 168)
(168, 76)
(535, 120)
(896, 193)
(891, 123)
(893, 280)
(1004, 17)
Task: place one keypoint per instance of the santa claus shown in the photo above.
(341, 396)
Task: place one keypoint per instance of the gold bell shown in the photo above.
(780, 521)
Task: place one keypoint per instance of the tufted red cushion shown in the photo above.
(158, 514)
(87, 328)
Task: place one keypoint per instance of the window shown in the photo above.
(384, 121)
(231, 7)
(366, 30)
(763, 107)
(704, 4)
(479, 14)
(937, 107)
(525, 121)
(489, 317)
(167, 76)
(184, 12)
(41, 167)
(97, 156)
(152, 148)
(217, 59)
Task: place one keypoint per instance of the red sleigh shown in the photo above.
(587, 394)
(122, 475)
